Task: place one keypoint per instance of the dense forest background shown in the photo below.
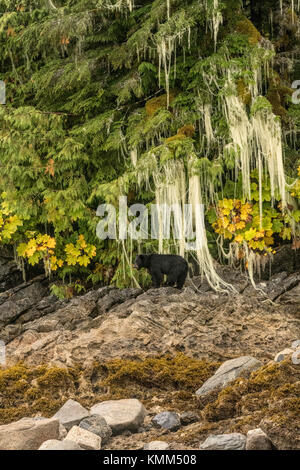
(156, 100)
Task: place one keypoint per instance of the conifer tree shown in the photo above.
(157, 100)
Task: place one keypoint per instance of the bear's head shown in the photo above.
(141, 261)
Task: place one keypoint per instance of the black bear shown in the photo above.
(174, 266)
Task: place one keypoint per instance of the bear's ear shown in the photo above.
(142, 257)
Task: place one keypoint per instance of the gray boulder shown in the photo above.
(97, 425)
(167, 420)
(71, 413)
(233, 441)
(188, 417)
(28, 433)
(85, 439)
(121, 415)
(228, 372)
(283, 354)
(258, 440)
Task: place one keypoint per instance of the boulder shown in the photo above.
(283, 434)
(228, 372)
(167, 420)
(62, 432)
(28, 433)
(258, 440)
(97, 425)
(20, 301)
(54, 444)
(121, 415)
(71, 413)
(233, 441)
(85, 439)
(156, 445)
(189, 417)
(283, 354)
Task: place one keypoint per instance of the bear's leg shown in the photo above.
(171, 279)
(181, 278)
(157, 277)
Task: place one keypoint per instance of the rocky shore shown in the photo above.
(128, 369)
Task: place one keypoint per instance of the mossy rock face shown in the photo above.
(243, 91)
(42, 390)
(271, 392)
(27, 391)
(157, 103)
(245, 26)
(277, 95)
(188, 130)
(269, 398)
(182, 133)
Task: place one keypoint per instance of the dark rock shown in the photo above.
(189, 417)
(21, 301)
(285, 259)
(97, 425)
(114, 297)
(167, 420)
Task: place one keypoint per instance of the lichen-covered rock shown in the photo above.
(71, 413)
(258, 440)
(167, 420)
(97, 425)
(228, 372)
(233, 441)
(121, 415)
(28, 433)
(85, 439)
(54, 444)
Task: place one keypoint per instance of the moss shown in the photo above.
(164, 372)
(175, 137)
(26, 391)
(243, 91)
(168, 380)
(277, 95)
(161, 382)
(159, 102)
(272, 391)
(188, 130)
(182, 133)
(245, 26)
(33, 393)
(55, 377)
